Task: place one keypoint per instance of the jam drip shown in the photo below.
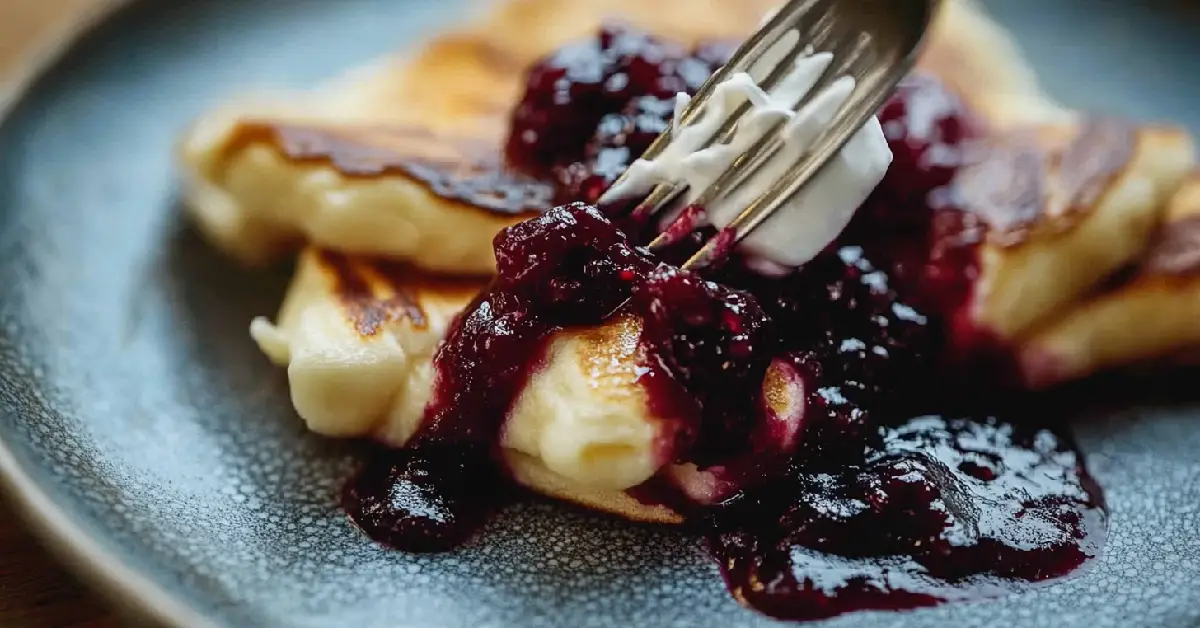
(427, 498)
(857, 504)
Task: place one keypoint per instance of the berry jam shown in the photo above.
(594, 107)
(937, 509)
(567, 267)
(913, 224)
(883, 491)
(422, 499)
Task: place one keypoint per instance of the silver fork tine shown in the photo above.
(743, 58)
(812, 37)
(746, 164)
(666, 193)
(875, 42)
(868, 96)
(770, 144)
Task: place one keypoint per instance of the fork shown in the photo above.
(875, 42)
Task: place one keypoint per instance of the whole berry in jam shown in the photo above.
(715, 343)
(564, 97)
(592, 108)
(857, 345)
(640, 64)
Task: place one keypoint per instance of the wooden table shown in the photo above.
(35, 591)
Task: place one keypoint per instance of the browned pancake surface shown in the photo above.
(456, 94)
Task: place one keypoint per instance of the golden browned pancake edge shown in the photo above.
(461, 85)
(473, 74)
(1154, 316)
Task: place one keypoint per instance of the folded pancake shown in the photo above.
(357, 337)
(1064, 206)
(400, 192)
(1154, 315)
(402, 158)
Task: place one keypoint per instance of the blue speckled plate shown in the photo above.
(146, 437)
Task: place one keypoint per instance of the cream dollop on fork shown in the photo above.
(819, 212)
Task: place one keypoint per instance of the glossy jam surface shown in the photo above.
(592, 108)
(572, 267)
(567, 267)
(938, 509)
(568, 93)
(912, 221)
(894, 493)
(427, 498)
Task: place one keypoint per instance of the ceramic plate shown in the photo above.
(145, 435)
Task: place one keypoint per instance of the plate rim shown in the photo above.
(127, 587)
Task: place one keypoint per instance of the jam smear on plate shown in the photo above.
(938, 509)
(892, 492)
(423, 499)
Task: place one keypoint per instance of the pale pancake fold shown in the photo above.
(358, 337)
(358, 340)
(256, 202)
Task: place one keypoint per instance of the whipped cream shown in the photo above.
(821, 210)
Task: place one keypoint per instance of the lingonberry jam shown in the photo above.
(890, 493)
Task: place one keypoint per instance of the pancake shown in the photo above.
(1154, 316)
(262, 176)
(402, 160)
(1066, 205)
(357, 337)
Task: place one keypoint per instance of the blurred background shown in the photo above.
(34, 591)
